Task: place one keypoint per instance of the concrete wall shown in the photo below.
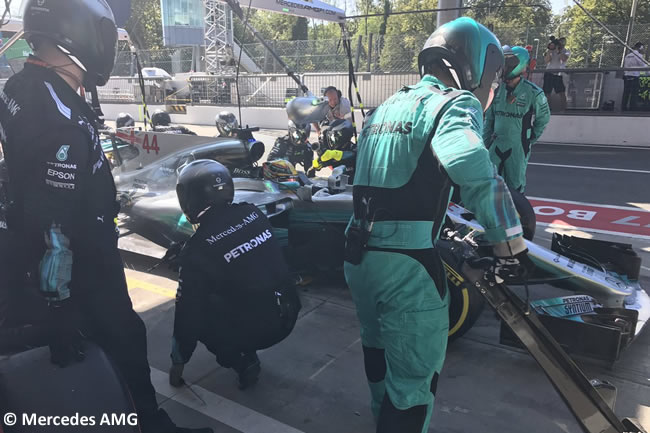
(268, 118)
(609, 130)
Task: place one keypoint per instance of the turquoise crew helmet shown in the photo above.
(470, 52)
(517, 60)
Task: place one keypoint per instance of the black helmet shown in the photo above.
(124, 120)
(160, 118)
(202, 184)
(83, 29)
(472, 54)
(299, 133)
(226, 123)
(338, 134)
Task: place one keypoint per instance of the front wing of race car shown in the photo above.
(610, 308)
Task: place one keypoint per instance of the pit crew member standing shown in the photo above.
(515, 120)
(64, 199)
(415, 145)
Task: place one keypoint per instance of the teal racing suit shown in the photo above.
(412, 149)
(513, 123)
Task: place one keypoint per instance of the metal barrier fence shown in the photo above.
(127, 90)
(586, 89)
(172, 60)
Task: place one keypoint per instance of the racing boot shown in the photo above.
(248, 370)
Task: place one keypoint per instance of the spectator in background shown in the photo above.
(339, 106)
(556, 57)
(631, 78)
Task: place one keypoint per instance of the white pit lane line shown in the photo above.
(221, 409)
(585, 167)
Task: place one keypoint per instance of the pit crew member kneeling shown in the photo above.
(235, 294)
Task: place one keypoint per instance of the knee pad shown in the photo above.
(374, 363)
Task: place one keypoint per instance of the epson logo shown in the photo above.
(60, 174)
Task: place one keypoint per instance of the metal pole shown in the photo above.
(630, 27)
(369, 52)
(358, 59)
(591, 35)
(602, 51)
(536, 48)
(448, 15)
(11, 41)
(236, 9)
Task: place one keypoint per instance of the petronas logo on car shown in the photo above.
(62, 154)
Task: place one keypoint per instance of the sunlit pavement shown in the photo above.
(314, 380)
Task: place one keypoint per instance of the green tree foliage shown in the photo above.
(591, 45)
(145, 24)
(513, 21)
(406, 34)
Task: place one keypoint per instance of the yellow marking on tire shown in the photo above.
(153, 288)
(463, 314)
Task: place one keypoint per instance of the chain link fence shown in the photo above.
(590, 46)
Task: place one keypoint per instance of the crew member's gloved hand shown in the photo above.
(172, 255)
(176, 375)
(66, 343)
(514, 269)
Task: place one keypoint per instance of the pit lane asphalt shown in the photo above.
(314, 381)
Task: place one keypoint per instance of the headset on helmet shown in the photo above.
(124, 120)
(330, 88)
(84, 30)
(160, 118)
(226, 123)
(517, 60)
(470, 52)
(299, 133)
(203, 184)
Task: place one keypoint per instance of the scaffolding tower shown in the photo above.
(218, 37)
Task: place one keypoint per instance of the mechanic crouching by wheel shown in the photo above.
(162, 122)
(513, 123)
(413, 148)
(294, 147)
(235, 294)
(226, 124)
(63, 209)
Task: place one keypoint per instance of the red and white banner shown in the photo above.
(616, 220)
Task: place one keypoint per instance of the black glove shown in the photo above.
(513, 270)
(66, 342)
(172, 256)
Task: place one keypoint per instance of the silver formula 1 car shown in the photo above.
(605, 312)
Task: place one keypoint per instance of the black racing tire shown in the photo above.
(465, 304)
